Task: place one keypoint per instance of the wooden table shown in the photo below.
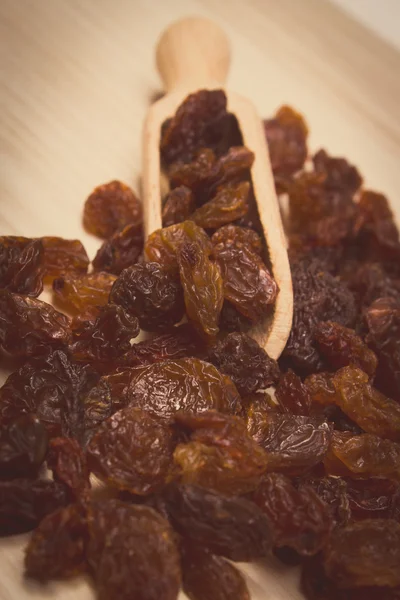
(76, 79)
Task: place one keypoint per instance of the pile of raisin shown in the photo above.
(202, 449)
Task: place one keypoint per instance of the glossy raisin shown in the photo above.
(293, 396)
(299, 518)
(79, 293)
(220, 454)
(63, 256)
(21, 265)
(178, 205)
(121, 250)
(109, 208)
(187, 384)
(228, 526)
(149, 293)
(68, 464)
(233, 235)
(228, 205)
(132, 450)
(246, 363)
(29, 326)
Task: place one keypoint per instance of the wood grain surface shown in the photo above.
(76, 80)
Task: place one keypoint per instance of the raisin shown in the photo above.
(121, 250)
(232, 320)
(299, 518)
(232, 235)
(178, 206)
(293, 396)
(294, 444)
(63, 256)
(334, 492)
(132, 450)
(192, 126)
(109, 208)
(220, 455)
(46, 385)
(187, 384)
(229, 204)
(102, 341)
(21, 265)
(206, 576)
(383, 321)
(366, 553)
(149, 293)
(317, 297)
(206, 173)
(24, 503)
(162, 245)
(228, 526)
(317, 586)
(248, 284)
(79, 293)
(339, 174)
(371, 498)
(257, 408)
(23, 446)
(180, 342)
(377, 228)
(132, 552)
(370, 409)
(202, 287)
(56, 549)
(29, 326)
(286, 135)
(364, 455)
(246, 363)
(68, 463)
(342, 347)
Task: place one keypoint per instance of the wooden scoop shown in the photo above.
(194, 54)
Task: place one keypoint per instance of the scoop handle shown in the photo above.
(193, 53)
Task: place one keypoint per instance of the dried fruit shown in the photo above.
(206, 576)
(21, 265)
(149, 293)
(49, 386)
(334, 492)
(292, 395)
(365, 554)
(63, 256)
(68, 463)
(383, 320)
(162, 245)
(248, 284)
(25, 502)
(286, 135)
(246, 363)
(56, 549)
(294, 444)
(187, 384)
(235, 236)
(80, 293)
(232, 527)
(317, 297)
(23, 446)
(299, 518)
(338, 173)
(220, 455)
(193, 125)
(229, 204)
(132, 552)
(120, 251)
(342, 347)
(363, 456)
(102, 341)
(202, 288)
(178, 206)
(29, 326)
(110, 207)
(132, 450)
(371, 498)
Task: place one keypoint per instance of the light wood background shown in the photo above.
(76, 78)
